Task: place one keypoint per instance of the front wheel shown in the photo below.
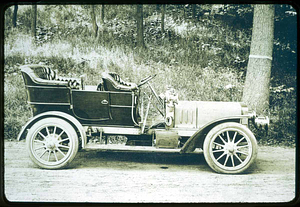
(52, 143)
(230, 148)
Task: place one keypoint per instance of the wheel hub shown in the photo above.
(51, 143)
(230, 148)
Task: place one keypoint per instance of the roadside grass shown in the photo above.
(201, 62)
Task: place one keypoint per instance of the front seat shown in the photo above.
(113, 82)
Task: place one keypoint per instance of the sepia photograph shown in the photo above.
(150, 103)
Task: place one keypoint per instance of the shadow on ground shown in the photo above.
(94, 157)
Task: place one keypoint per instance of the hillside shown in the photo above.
(203, 57)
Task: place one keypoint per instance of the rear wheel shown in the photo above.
(52, 143)
(230, 148)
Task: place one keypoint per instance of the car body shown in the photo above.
(68, 113)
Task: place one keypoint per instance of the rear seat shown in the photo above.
(43, 75)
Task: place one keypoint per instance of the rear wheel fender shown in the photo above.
(73, 121)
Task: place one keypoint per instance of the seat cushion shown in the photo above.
(113, 82)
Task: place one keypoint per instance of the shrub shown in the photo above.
(16, 111)
(203, 60)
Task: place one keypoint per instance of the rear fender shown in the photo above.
(74, 122)
(197, 139)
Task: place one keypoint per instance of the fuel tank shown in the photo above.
(195, 114)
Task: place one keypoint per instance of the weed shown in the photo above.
(203, 60)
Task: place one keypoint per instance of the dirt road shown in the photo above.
(96, 176)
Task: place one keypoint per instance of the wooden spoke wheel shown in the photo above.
(52, 143)
(230, 148)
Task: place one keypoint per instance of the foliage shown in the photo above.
(202, 57)
(282, 131)
(16, 111)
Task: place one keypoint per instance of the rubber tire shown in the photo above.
(58, 122)
(215, 131)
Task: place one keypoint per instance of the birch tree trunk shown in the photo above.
(256, 91)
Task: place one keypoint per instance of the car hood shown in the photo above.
(195, 114)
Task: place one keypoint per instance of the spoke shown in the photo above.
(49, 155)
(39, 141)
(238, 147)
(228, 137)
(220, 150)
(63, 146)
(54, 130)
(61, 152)
(47, 131)
(63, 140)
(222, 139)
(43, 153)
(242, 153)
(221, 156)
(234, 137)
(221, 145)
(55, 155)
(39, 148)
(238, 158)
(231, 156)
(240, 141)
(227, 156)
(60, 134)
(42, 135)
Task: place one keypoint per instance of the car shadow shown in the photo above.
(96, 157)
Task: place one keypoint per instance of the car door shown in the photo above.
(91, 105)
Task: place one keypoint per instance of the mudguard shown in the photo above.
(197, 139)
(58, 114)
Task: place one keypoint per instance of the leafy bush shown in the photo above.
(16, 110)
(283, 116)
(203, 60)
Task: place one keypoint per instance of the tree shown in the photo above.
(140, 26)
(163, 9)
(102, 14)
(33, 20)
(194, 12)
(15, 15)
(256, 91)
(94, 23)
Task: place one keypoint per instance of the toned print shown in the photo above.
(150, 103)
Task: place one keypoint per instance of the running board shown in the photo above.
(122, 147)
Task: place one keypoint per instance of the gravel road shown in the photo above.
(97, 176)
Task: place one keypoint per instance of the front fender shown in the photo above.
(197, 139)
(58, 114)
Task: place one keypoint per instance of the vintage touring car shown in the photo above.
(67, 114)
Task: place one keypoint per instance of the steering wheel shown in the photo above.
(145, 80)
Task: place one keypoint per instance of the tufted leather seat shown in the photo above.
(113, 82)
(43, 75)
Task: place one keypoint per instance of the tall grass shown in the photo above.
(202, 62)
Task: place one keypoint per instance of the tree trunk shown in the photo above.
(163, 9)
(256, 91)
(33, 20)
(94, 23)
(101, 30)
(140, 26)
(194, 12)
(15, 16)
(102, 14)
